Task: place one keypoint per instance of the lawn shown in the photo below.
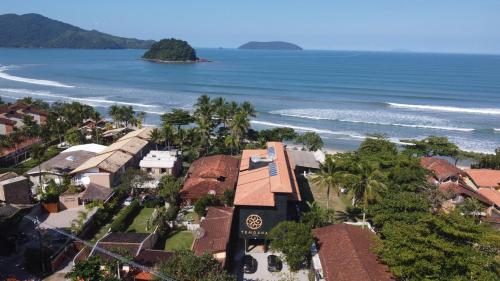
(179, 240)
(140, 221)
(319, 195)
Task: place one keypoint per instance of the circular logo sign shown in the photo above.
(254, 221)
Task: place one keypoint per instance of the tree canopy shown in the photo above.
(171, 50)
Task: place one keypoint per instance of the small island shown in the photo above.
(272, 45)
(171, 51)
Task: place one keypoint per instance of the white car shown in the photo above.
(128, 201)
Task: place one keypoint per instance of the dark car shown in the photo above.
(249, 264)
(274, 263)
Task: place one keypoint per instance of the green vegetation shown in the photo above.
(124, 218)
(418, 240)
(141, 221)
(310, 140)
(200, 206)
(37, 31)
(294, 240)
(179, 240)
(90, 269)
(489, 161)
(123, 116)
(171, 50)
(185, 266)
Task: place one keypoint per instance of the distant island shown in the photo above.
(171, 50)
(37, 31)
(272, 45)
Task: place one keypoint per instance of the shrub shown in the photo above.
(172, 213)
(123, 219)
(200, 207)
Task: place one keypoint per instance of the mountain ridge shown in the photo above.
(37, 31)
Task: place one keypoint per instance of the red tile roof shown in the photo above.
(216, 173)
(484, 177)
(461, 188)
(216, 229)
(441, 168)
(345, 254)
(257, 186)
(491, 194)
(6, 121)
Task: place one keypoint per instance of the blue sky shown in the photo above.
(464, 26)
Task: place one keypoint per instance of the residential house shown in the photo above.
(7, 126)
(150, 259)
(135, 146)
(143, 133)
(344, 253)
(267, 192)
(304, 162)
(94, 192)
(14, 189)
(104, 169)
(442, 170)
(127, 244)
(62, 164)
(209, 175)
(214, 233)
(158, 163)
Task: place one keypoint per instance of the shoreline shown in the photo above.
(175, 62)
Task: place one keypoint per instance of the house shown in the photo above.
(158, 163)
(94, 192)
(267, 192)
(62, 164)
(134, 146)
(344, 253)
(304, 162)
(104, 169)
(210, 175)
(143, 133)
(113, 134)
(214, 233)
(14, 189)
(483, 178)
(442, 170)
(148, 258)
(7, 126)
(123, 243)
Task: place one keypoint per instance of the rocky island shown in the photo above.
(171, 51)
(272, 45)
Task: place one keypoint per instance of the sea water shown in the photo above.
(342, 95)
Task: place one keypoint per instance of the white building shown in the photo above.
(161, 162)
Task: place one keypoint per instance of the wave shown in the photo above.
(89, 101)
(351, 116)
(496, 130)
(307, 129)
(490, 111)
(7, 76)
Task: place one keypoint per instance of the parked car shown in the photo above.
(249, 264)
(274, 263)
(128, 201)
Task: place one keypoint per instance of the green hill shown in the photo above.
(272, 45)
(37, 31)
(171, 50)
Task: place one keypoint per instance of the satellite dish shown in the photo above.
(199, 233)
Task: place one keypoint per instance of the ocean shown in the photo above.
(342, 95)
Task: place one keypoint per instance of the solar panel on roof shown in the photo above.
(271, 152)
(273, 170)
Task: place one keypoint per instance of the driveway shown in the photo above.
(262, 274)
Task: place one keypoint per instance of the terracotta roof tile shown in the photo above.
(441, 168)
(484, 177)
(491, 194)
(212, 173)
(216, 231)
(461, 188)
(345, 254)
(257, 185)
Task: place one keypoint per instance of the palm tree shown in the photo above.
(366, 185)
(96, 117)
(238, 127)
(155, 136)
(168, 135)
(115, 113)
(37, 153)
(249, 109)
(204, 130)
(350, 214)
(330, 176)
(140, 116)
